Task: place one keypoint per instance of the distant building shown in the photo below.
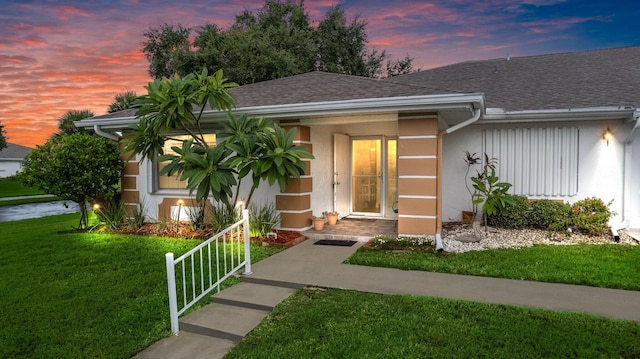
(11, 159)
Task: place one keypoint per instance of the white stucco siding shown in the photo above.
(632, 201)
(152, 198)
(600, 167)
(9, 167)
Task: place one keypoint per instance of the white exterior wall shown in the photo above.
(632, 201)
(9, 167)
(600, 167)
(153, 198)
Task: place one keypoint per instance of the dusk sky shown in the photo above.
(57, 56)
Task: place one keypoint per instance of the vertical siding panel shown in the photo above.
(536, 161)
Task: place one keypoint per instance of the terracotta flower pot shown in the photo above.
(318, 224)
(332, 219)
(467, 216)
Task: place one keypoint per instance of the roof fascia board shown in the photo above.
(404, 103)
(496, 115)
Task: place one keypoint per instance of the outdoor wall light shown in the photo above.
(607, 135)
(180, 203)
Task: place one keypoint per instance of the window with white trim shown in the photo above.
(173, 182)
(536, 161)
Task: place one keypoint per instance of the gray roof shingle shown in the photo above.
(324, 87)
(609, 77)
(13, 151)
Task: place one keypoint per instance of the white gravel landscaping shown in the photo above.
(493, 238)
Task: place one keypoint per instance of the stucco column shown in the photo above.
(128, 182)
(294, 203)
(417, 174)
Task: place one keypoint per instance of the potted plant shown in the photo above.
(318, 223)
(332, 217)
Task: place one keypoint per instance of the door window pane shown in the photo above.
(366, 172)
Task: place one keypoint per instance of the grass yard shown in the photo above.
(608, 266)
(10, 187)
(348, 324)
(83, 295)
(15, 202)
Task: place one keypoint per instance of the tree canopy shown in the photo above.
(77, 167)
(276, 41)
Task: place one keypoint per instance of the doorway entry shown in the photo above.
(373, 176)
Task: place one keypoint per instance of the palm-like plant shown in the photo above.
(66, 122)
(122, 101)
(256, 146)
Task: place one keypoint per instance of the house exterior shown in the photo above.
(11, 159)
(382, 145)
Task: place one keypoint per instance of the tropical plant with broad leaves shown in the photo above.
(249, 146)
(491, 193)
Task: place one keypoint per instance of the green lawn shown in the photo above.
(15, 202)
(348, 324)
(83, 295)
(609, 266)
(10, 187)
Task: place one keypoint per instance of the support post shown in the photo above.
(173, 300)
(247, 242)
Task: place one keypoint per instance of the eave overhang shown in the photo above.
(498, 115)
(454, 102)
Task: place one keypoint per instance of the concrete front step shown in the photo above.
(187, 345)
(222, 321)
(273, 283)
(211, 331)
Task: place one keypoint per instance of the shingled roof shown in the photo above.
(320, 86)
(596, 78)
(583, 79)
(313, 87)
(14, 152)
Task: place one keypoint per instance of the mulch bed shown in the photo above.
(183, 230)
(283, 238)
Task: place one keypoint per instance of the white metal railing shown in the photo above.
(206, 266)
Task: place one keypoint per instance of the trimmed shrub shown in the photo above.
(516, 214)
(591, 216)
(551, 215)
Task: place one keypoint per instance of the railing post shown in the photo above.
(173, 299)
(247, 242)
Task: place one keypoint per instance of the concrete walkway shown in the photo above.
(211, 331)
